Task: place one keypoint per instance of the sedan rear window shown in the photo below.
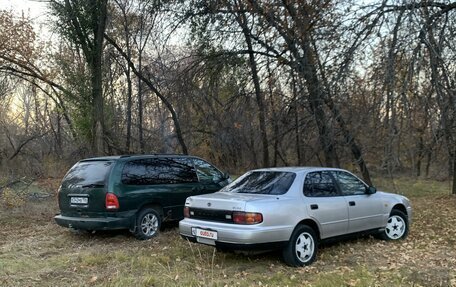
(88, 173)
(262, 182)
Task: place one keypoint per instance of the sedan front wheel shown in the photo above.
(397, 226)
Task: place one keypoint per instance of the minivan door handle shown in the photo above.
(314, 206)
(351, 203)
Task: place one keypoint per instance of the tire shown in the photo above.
(148, 223)
(397, 227)
(302, 248)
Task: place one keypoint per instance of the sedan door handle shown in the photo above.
(351, 203)
(314, 206)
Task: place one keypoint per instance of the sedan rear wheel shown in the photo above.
(302, 248)
(397, 226)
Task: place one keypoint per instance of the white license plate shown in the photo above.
(79, 200)
(204, 233)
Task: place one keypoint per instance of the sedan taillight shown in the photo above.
(247, 217)
(111, 201)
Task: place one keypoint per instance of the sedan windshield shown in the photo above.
(262, 182)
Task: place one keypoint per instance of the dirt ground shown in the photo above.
(34, 251)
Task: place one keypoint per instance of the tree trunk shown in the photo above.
(242, 20)
(140, 107)
(307, 67)
(454, 173)
(275, 123)
(97, 109)
(350, 140)
(443, 87)
(419, 156)
(129, 104)
(296, 119)
(152, 87)
(99, 25)
(126, 25)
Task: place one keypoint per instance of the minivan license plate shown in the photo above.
(205, 233)
(79, 200)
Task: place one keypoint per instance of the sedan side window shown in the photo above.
(206, 172)
(349, 184)
(319, 184)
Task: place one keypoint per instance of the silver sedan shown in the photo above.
(293, 208)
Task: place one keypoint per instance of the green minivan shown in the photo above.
(136, 192)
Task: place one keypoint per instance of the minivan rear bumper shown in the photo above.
(93, 223)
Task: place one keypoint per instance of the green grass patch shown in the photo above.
(413, 187)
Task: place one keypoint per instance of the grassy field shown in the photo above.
(34, 251)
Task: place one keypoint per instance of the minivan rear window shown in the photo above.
(88, 173)
(262, 182)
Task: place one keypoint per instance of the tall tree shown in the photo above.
(243, 22)
(83, 22)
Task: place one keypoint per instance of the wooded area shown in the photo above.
(242, 83)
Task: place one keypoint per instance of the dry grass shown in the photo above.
(36, 252)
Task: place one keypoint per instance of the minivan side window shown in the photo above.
(319, 184)
(349, 184)
(158, 171)
(206, 172)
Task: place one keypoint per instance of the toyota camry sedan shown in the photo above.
(293, 209)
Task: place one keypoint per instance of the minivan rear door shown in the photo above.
(83, 189)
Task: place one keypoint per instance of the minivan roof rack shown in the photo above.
(152, 154)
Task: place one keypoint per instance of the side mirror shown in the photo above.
(220, 177)
(371, 190)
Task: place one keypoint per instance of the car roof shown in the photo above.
(298, 169)
(136, 156)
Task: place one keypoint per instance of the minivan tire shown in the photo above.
(148, 223)
(302, 235)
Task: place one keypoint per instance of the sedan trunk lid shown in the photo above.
(224, 200)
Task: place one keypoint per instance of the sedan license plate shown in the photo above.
(204, 233)
(79, 200)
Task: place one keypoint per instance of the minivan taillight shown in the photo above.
(247, 217)
(187, 212)
(111, 201)
(58, 195)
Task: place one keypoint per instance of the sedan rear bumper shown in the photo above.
(89, 223)
(242, 247)
(236, 235)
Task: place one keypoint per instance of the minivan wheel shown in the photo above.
(148, 224)
(397, 226)
(302, 248)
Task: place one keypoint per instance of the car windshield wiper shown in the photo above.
(93, 185)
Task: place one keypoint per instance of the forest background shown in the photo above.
(365, 85)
